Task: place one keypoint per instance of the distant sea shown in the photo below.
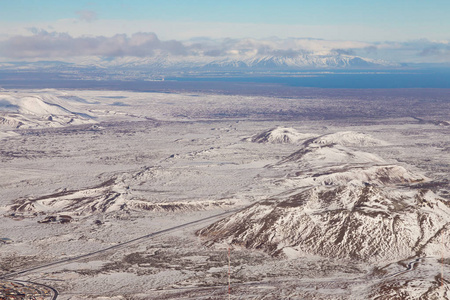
(233, 82)
(430, 78)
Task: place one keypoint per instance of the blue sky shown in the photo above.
(411, 30)
(411, 17)
(243, 11)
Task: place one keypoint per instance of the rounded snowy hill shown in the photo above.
(375, 175)
(336, 149)
(23, 110)
(349, 139)
(280, 135)
(327, 155)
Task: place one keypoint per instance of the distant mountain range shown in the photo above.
(256, 62)
(170, 63)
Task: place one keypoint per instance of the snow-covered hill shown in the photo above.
(279, 135)
(363, 223)
(121, 193)
(339, 159)
(336, 149)
(38, 110)
(348, 138)
(318, 155)
(339, 202)
(376, 175)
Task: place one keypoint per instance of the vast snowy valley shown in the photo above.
(320, 194)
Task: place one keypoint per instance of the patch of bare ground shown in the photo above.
(14, 262)
(410, 289)
(167, 258)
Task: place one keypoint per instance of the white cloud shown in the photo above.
(87, 15)
(186, 30)
(39, 43)
(45, 44)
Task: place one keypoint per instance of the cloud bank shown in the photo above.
(43, 44)
(54, 45)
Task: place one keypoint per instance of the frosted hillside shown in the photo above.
(361, 223)
(348, 138)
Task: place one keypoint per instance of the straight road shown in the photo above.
(124, 244)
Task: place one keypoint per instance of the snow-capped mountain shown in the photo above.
(163, 62)
(300, 61)
(257, 62)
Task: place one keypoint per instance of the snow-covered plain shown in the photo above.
(123, 165)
